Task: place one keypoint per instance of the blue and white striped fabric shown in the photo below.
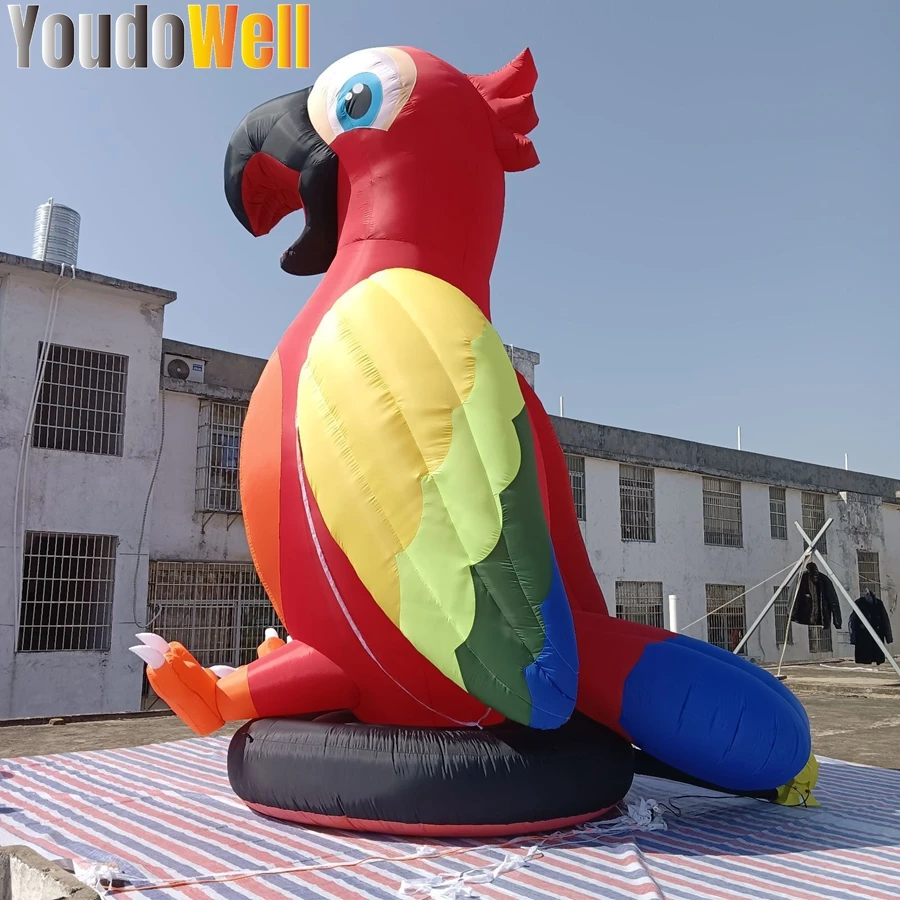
(167, 818)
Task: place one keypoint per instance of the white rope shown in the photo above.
(847, 569)
(734, 599)
(640, 815)
(644, 815)
(784, 643)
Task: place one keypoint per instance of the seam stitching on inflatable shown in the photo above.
(343, 606)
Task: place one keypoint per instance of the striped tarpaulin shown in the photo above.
(166, 817)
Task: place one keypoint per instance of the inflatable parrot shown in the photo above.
(406, 500)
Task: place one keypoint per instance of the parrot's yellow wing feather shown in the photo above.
(418, 450)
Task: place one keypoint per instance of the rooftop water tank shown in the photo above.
(56, 229)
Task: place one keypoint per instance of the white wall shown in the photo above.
(177, 531)
(77, 492)
(685, 564)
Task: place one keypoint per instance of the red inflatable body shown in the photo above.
(403, 170)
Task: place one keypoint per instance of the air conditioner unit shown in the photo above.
(184, 368)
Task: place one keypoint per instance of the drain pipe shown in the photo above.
(47, 231)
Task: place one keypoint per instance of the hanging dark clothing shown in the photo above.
(866, 650)
(816, 602)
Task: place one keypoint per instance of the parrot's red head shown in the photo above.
(391, 144)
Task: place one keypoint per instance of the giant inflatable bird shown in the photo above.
(407, 502)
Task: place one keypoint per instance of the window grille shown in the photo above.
(219, 611)
(640, 601)
(67, 592)
(575, 465)
(869, 572)
(778, 513)
(637, 503)
(722, 512)
(81, 401)
(726, 625)
(820, 639)
(218, 452)
(782, 615)
(814, 519)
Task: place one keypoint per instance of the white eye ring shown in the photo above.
(389, 71)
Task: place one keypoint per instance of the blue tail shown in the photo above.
(714, 716)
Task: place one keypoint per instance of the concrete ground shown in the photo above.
(856, 729)
(40, 740)
(842, 678)
(854, 711)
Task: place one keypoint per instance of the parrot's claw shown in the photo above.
(150, 655)
(154, 641)
(273, 633)
(222, 671)
(179, 680)
(152, 649)
(271, 643)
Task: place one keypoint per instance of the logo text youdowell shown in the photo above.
(214, 32)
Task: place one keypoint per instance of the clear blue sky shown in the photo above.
(712, 238)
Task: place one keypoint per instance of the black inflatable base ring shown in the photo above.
(501, 781)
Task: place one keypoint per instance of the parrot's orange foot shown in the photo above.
(179, 680)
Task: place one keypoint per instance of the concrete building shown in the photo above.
(132, 516)
(67, 591)
(711, 525)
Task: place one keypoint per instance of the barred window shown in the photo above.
(782, 616)
(218, 451)
(820, 639)
(81, 401)
(219, 611)
(869, 572)
(814, 519)
(722, 512)
(67, 592)
(575, 465)
(778, 513)
(637, 503)
(640, 601)
(726, 615)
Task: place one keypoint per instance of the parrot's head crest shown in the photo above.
(287, 153)
(508, 93)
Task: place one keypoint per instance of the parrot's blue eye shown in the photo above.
(359, 101)
(367, 89)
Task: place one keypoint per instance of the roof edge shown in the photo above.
(199, 351)
(659, 451)
(12, 261)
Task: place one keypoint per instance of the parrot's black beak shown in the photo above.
(275, 164)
